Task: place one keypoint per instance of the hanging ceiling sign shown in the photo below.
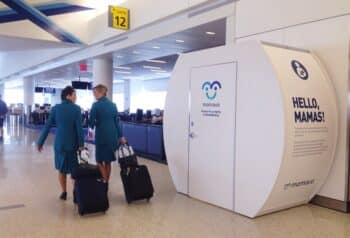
(119, 18)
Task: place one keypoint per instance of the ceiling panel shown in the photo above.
(146, 70)
(194, 39)
(8, 43)
(133, 60)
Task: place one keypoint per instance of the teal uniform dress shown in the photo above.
(69, 135)
(104, 118)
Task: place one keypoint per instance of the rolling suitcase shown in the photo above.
(91, 196)
(137, 183)
(90, 192)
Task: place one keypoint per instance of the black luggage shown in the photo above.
(137, 183)
(91, 195)
(90, 192)
(86, 170)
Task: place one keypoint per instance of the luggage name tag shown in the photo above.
(84, 156)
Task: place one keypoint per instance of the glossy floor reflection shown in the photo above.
(28, 178)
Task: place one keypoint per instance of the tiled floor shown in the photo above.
(28, 178)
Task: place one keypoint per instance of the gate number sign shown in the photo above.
(119, 18)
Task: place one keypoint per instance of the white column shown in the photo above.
(28, 91)
(103, 73)
(28, 97)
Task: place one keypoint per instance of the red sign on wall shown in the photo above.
(83, 67)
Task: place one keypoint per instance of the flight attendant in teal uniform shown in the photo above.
(69, 136)
(104, 117)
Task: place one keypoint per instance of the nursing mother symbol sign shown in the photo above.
(306, 109)
(300, 70)
(211, 107)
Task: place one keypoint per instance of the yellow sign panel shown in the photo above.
(119, 18)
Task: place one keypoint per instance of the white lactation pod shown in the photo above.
(250, 127)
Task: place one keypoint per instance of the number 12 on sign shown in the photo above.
(119, 18)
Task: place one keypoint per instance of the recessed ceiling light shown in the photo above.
(210, 33)
(150, 67)
(180, 41)
(122, 72)
(157, 61)
(124, 68)
(156, 47)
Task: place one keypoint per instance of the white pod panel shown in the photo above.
(250, 127)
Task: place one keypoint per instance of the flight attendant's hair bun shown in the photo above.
(69, 90)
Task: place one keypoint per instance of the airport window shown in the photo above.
(148, 100)
(40, 98)
(118, 99)
(13, 95)
(85, 99)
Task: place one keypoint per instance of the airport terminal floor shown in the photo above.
(29, 206)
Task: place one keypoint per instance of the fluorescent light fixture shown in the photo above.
(151, 67)
(159, 71)
(120, 56)
(162, 74)
(123, 68)
(180, 41)
(136, 52)
(122, 72)
(136, 78)
(156, 47)
(157, 61)
(211, 33)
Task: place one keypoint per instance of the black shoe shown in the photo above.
(74, 197)
(63, 196)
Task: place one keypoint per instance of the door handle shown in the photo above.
(192, 135)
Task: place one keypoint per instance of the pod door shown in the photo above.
(212, 134)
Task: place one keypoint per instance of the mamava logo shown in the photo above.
(211, 89)
(300, 70)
